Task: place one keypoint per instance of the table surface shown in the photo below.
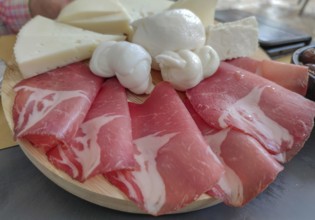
(25, 193)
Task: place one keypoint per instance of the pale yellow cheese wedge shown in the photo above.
(44, 44)
(204, 9)
(85, 9)
(108, 24)
(102, 16)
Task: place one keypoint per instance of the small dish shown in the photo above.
(297, 58)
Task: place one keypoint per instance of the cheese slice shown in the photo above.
(138, 9)
(234, 39)
(83, 9)
(44, 44)
(102, 16)
(204, 9)
(117, 23)
(110, 16)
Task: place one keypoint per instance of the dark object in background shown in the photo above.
(275, 38)
(306, 56)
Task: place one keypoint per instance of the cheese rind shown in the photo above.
(204, 9)
(234, 39)
(44, 44)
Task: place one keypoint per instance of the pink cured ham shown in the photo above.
(49, 108)
(290, 76)
(249, 168)
(175, 165)
(103, 142)
(279, 119)
(246, 63)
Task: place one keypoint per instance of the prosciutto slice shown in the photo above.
(290, 76)
(49, 108)
(249, 168)
(246, 63)
(103, 142)
(279, 119)
(175, 165)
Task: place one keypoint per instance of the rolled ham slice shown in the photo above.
(175, 165)
(249, 168)
(290, 76)
(277, 118)
(49, 108)
(103, 142)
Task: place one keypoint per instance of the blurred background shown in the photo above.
(298, 14)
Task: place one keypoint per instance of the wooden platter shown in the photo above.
(96, 190)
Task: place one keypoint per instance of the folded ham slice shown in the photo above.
(279, 119)
(103, 142)
(49, 108)
(290, 76)
(249, 168)
(175, 165)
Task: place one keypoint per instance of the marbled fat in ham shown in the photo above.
(103, 142)
(249, 168)
(175, 165)
(279, 119)
(49, 108)
(290, 76)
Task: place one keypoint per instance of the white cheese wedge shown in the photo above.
(102, 16)
(234, 39)
(44, 44)
(204, 9)
(142, 8)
